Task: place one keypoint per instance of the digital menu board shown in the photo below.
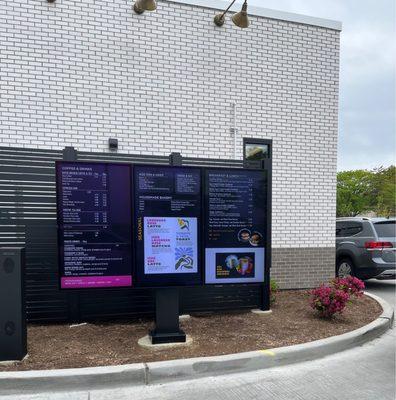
(235, 226)
(94, 224)
(167, 218)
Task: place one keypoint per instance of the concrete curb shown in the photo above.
(387, 310)
(76, 379)
(81, 379)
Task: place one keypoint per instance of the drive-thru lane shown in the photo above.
(384, 289)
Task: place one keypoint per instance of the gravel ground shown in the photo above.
(114, 343)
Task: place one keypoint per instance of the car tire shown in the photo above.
(345, 268)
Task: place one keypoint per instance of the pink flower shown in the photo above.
(351, 285)
(328, 300)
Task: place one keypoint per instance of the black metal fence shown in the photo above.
(28, 218)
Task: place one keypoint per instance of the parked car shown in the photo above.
(366, 247)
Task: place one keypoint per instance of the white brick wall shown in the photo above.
(77, 73)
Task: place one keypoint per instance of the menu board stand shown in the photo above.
(167, 328)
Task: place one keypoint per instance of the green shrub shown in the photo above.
(274, 288)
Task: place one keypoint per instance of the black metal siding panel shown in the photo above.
(44, 300)
(28, 217)
(220, 297)
(120, 303)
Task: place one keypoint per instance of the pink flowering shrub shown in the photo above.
(328, 300)
(351, 285)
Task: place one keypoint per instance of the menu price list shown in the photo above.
(230, 202)
(187, 182)
(166, 190)
(94, 218)
(78, 256)
(84, 198)
(155, 181)
(91, 252)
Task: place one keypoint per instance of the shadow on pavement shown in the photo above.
(382, 285)
(385, 289)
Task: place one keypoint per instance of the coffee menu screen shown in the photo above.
(235, 226)
(167, 220)
(94, 225)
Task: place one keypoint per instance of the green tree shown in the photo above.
(354, 192)
(360, 191)
(384, 191)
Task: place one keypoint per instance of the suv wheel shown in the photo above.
(345, 268)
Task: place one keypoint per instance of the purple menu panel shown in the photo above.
(95, 281)
(94, 221)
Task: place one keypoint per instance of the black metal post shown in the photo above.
(13, 333)
(266, 165)
(167, 327)
(70, 154)
(176, 159)
(266, 295)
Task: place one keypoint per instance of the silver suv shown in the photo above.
(365, 247)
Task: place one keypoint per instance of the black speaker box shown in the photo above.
(13, 336)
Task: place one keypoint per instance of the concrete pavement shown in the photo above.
(365, 372)
(384, 289)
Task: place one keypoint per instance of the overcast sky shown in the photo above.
(367, 136)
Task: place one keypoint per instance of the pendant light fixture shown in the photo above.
(141, 6)
(240, 19)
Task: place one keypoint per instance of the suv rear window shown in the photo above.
(386, 229)
(348, 228)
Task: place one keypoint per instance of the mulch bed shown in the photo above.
(114, 343)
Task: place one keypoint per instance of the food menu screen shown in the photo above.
(235, 226)
(94, 224)
(167, 219)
